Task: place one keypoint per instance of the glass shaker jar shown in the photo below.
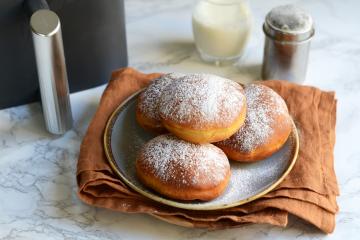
(221, 29)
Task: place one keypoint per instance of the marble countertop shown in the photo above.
(37, 170)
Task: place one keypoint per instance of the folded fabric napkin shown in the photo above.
(309, 191)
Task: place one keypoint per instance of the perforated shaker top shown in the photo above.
(289, 18)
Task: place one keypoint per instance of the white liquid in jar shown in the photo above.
(221, 28)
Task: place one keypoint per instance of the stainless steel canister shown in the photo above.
(288, 32)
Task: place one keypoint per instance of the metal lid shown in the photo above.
(44, 22)
(288, 23)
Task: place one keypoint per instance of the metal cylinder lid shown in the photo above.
(288, 23)
(44, 22)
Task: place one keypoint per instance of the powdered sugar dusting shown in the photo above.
(199, 99)
(247, 179)
(263, 105)
(150, 96)
(183, 163)
(290, 18)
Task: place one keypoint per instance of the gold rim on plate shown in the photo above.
(174, 203)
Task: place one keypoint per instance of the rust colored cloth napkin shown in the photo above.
(309, 191)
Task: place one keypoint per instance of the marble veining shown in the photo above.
(37, 170)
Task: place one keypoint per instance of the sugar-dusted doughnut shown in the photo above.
(202, 108)
(147, 114)
(267, 126)
(182, 170)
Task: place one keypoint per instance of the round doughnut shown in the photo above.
(202, 108)
(266, 129)
(182, 170)
(147, 103)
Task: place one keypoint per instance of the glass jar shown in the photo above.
(221, 29)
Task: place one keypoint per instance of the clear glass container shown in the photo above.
(221, 29)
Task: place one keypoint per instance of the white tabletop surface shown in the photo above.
(37, 170)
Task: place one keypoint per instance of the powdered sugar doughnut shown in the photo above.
(183, 170)
(147, 114)
(202, 108)
(267, 126)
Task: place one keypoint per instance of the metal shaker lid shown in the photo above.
(288, 23)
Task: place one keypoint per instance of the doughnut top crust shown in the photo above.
(149, 98)
(202, 101)
(267, 114)
(183, 165)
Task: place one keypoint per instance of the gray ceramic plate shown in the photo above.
(124, 137)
